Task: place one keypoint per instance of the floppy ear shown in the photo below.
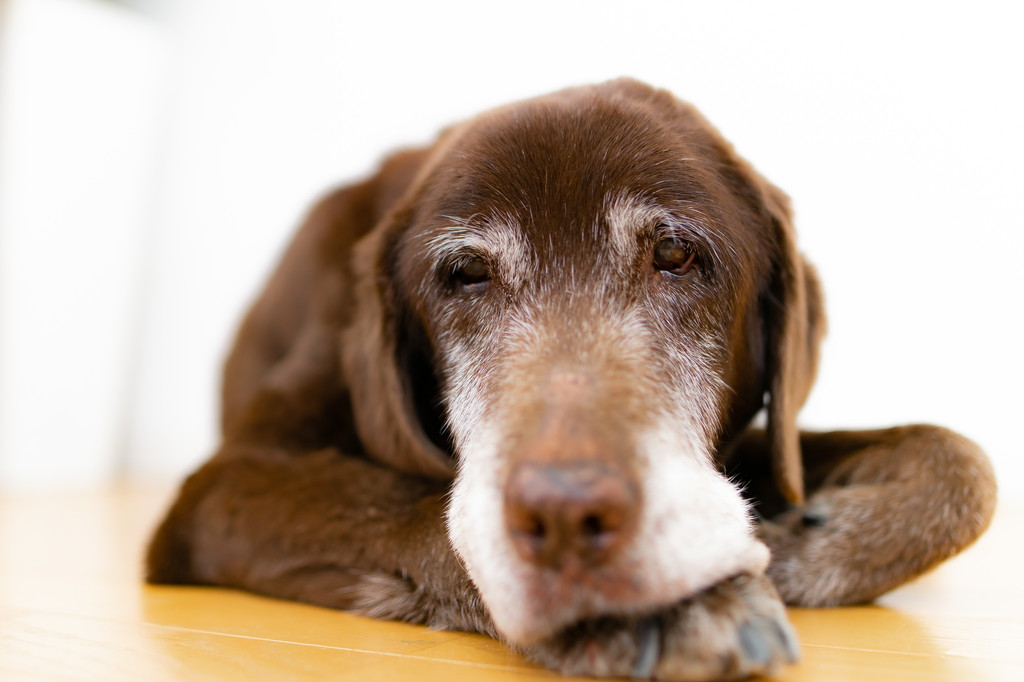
(795, 325)
(792, 307)
(286, 380)
(376, 359)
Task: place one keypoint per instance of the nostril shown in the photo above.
(592, 526)
(536, 528)
(526, 522)
(601, 529)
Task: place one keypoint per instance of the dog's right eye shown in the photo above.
(674, 256)
(472, 275)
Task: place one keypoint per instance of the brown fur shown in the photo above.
(329, 485)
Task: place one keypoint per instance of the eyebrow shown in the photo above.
(496, 238)
(628, 214)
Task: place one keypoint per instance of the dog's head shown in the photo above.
(578, 303)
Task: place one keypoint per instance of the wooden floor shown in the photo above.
(73, 607)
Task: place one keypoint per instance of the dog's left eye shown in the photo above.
(674, 256)
(473, 274)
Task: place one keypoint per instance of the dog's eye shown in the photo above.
(473, 274)
(674, 256)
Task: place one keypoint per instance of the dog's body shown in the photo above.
(505, 386)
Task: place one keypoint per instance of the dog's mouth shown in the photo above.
(553, 541)
(737, 624)
(575, 599)
(644, 633)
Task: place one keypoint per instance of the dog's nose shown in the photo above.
(556, 513)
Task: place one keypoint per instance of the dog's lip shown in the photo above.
(584, 616)
(574, 595)
(573, 578)
(556, 600)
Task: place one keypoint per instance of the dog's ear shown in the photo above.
(791, 306)
(792, 314)
(380, 366)
(795, 324)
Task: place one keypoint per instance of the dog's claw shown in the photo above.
(648, 649)
(755, 643)
(812, 519)
(787, 637)
(766, 642)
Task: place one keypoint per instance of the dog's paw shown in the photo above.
(733, 630)
(736, 629)
(847, 545)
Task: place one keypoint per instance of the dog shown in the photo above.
(506, 385)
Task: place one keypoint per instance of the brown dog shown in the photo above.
(505, 386)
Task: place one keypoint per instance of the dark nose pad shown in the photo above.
(568, 511)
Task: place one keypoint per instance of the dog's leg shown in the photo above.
(883, 507)
(344, 533)
(321, 528)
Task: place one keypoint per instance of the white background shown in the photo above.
(896, 128)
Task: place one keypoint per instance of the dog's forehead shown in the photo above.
(553, 167)
(543, 188)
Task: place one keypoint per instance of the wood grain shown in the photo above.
(73, 607)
